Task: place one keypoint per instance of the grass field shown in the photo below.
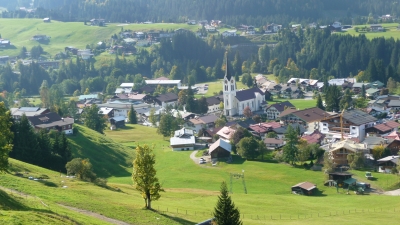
(298, 103)
(20, 31)
(391, 31)
(192, 189)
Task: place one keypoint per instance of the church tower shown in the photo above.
(229, 90)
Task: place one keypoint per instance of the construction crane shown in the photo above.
(341, 124)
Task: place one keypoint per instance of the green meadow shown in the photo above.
(391, 31)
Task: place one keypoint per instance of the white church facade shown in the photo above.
(236, 101)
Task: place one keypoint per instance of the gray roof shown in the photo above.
(358, 117)
(281, 106)
(248, 94)
(49, 120)
(182, 141)
(282, 130)
(394, 103)
(28, 111)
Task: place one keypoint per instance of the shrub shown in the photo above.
(102, 182)
(43, 176)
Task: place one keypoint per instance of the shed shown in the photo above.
(304, 188)
(118, 121)
(349, 182)
(220, 149)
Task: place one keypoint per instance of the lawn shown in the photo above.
(391, 31)
(298, 103)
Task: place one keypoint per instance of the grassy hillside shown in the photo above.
(391, 31)
(108, 158)
(120, 202)
(268, 186)
(20, 31)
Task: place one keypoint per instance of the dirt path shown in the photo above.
(96, 215)
(82, 211)
(193, 157)
(393, 193)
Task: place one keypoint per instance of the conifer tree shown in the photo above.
(225, 212)
(132, 116)
(290, 149)
(363, 93)
(319, 102)
(6, 136)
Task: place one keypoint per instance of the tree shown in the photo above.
(257, 118)
(360, 103)
(377, 152)
(167, 125)
(329, 165)
(272, 135)
(6, 136)
(44, 94)
(247, 112)
(239, 134)
(262, 148)
(153, 117)
(304, 151)
(220, 122)
(22, 52)
(248, 148)
(363, 94)
(93, 120)
(144, 175)
(132, 116)
(202, 106)
(82, 168)
(225, 212)
(356, 160)
(346, 101)
(319, 102)
(290, 150)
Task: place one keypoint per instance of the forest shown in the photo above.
(232, 12)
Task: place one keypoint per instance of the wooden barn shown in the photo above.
(304, 188)
(220, 149)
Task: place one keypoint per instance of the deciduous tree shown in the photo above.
(93, 120)
(247, 112)
(248, 148)
(6, 136)
(144, 175)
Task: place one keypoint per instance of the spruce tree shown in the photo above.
(363, 93)
(319, 102)
(225, 212)
(132, 116)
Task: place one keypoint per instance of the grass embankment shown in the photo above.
(63, 34)
(298, 103)
(391, 31)
(195, 188)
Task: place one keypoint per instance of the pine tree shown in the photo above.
(6, 136)
(225, 212)
(290, 149)
(363, 93)
(132, 116)
(93, 120)
(319, 102)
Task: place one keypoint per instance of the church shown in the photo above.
(236, 101)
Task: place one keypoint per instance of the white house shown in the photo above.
(183, 139)
(273, 111)
(229, 33)
(337, 25)
(213, 104)
(236, 101)
(198, 123)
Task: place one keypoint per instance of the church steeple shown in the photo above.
(228, 75)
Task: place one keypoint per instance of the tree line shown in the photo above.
(235, 12)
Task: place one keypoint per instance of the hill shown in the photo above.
(109, 158)
(20, 31)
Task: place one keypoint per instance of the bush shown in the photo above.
(102, 182)
(75, 130)
(305, 165)
(43, 176)
(311, 163)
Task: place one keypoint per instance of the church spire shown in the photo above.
(228, 75)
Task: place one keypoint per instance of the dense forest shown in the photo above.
(232, 12)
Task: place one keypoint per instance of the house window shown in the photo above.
(353, 128)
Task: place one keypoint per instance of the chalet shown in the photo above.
(168, 99)
(338, 151)
(183, 139)
(372, 93)
(106, 112)
(394, 105)
(241, 123)
(50, 121)
(88, 97)
(273, 28)
(337, 26)
(273, 111)
(199, 122)
(97, 22)
(394, 135)
(393, 146)
(304, 188)
(46, 20)
(387, 17)
(85, 54)
(305, 83)
(377, 84)
(71, 49)
(358, 86)
(117, 122)
(226, 133)
(385, 165)
(220, 149)
(354, 124)
(4, 43)
(273, 143)
(341, 81)
(309, 118)
(376, 28)
(261, 129)
(384, 128)
(17, 113)
(124, 88)
(191, 22)
(210, 29)
(315, 137)
(281, 131)
(122, 108)
(229, 33)
(40, 37)
(166, 83)
(213, 104)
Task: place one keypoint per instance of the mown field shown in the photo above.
(298, 103)
(391, 31)
(63, 34)
(192, 189)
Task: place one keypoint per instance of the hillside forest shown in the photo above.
(234, 12)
